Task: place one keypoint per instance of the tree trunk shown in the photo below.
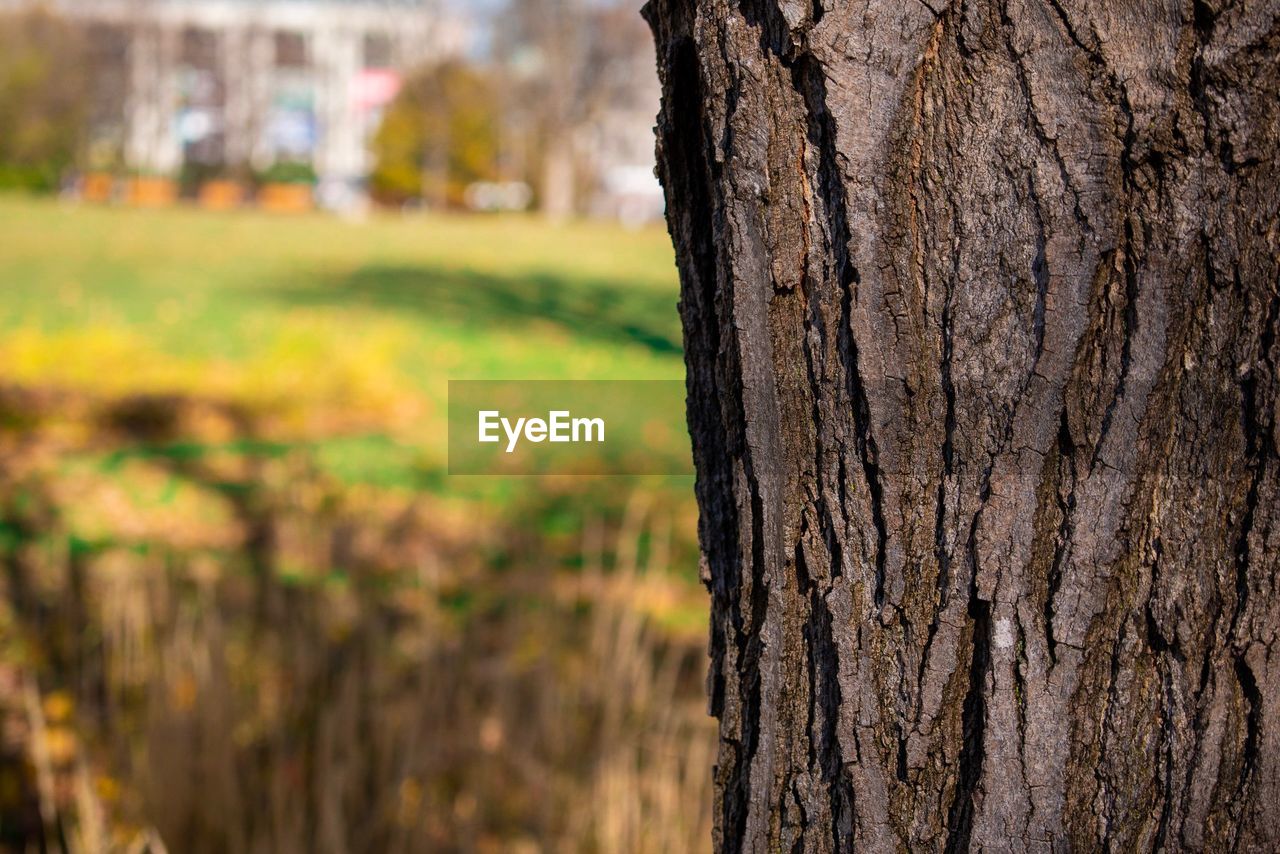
(980, 311)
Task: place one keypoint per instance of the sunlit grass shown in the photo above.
(328, 329)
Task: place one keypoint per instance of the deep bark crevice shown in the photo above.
(972, 754)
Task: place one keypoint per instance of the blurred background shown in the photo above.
(243, 248)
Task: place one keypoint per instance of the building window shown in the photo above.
(377, 51)
(199, 48)
(291, 50)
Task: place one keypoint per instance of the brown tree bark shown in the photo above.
(980, 310)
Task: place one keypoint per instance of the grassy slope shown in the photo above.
(345, 333)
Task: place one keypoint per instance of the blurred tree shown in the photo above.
(43, 100)
(565, 63)
(439, 135)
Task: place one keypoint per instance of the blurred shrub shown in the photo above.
(288, 172)
(193, 175)
(43, 99)
(438, 136)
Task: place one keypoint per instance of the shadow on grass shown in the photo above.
(588, 308)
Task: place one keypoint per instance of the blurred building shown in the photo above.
(618, 142)
(219, 85)
(588, 82)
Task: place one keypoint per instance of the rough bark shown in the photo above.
(980, 311)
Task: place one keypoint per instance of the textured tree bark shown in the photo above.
(980, 311)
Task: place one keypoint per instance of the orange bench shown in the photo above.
(286, 198)
(151, 192)
(221, 195)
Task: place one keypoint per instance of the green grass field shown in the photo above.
(340, 333)
(335, 340)
(230, 549)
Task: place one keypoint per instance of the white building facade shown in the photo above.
(212, 84)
